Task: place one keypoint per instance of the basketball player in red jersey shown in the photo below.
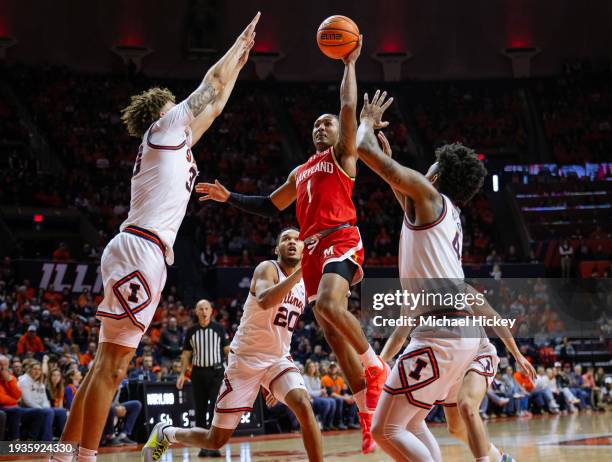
(322, 188)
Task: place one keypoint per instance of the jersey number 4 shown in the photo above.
(286, 318)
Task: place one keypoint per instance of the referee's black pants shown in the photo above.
(206, 382)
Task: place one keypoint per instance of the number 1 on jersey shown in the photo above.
(309, 191)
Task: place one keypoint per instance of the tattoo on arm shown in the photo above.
(389, 171)
(202, 97)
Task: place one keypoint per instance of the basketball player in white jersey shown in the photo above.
(430, 248)
(259, 356)
(133, 264)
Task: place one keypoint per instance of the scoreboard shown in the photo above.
(163, 402)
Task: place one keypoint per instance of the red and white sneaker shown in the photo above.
(367, 441)
(375, 380)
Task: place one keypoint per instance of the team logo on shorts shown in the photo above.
(329, 252)
(134, 295)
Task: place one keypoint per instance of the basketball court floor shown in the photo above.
(582, 438)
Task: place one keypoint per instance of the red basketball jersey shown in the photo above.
(323, 194)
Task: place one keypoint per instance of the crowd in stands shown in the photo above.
(576, 114)
(483, 117)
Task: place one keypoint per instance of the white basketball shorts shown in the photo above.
(133, 272)
(243, 377)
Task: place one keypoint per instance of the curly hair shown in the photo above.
(144, 109)
(461, 174)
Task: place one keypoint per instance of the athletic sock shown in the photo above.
(360, 400)
(61, 457)
(483, 459)
(170, 433)
(86, 455)
(369, 358)
(497, 454)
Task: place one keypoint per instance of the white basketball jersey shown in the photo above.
(164, 175)
(434, 250)
(267, 333)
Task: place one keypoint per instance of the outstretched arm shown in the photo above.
(208, 100)
(386, 148)
(266, 206)
(346, 150)
(268, 291)
(406, 181)
(485, 309)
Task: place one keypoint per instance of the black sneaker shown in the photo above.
(214, 453)
(203, 453)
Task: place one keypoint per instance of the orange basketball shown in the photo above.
(337, 36)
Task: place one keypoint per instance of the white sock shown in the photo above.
(170, 433)
(483, 459)
(86, 455)
(361, 401)
(61, 457)
(498, 454)
(369, 358)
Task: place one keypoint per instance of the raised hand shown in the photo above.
(246, 40)
(373, 111)
(212, 191)
(354, 55)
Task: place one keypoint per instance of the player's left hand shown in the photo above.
(246, 40)
(526, 367)
(384, 144)
(354, 55)
(374, 110)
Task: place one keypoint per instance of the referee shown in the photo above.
(206, 345)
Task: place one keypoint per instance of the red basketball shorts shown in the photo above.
(343, 244)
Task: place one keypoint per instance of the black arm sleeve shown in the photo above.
(258, 205)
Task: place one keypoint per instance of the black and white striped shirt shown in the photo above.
(207, 344)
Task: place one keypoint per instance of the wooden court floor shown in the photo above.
(573, 438)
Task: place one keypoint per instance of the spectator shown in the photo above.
(30, 342)
(73, 380)
(323, 406)
(499, 395)
(121, 420)
(17, 367)
(516, 391)
(55, 388)
(171, 340)
(576, 385)
(61, 253)
(544, 390)
(566, 251)
(86, 358)
(345, 403)
(563, 384)
(145, 372)
(34, 395)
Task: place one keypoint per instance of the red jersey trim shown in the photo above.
(164, 148)
(352, 178)
(428, 225)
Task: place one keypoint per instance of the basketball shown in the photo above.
(337, 36)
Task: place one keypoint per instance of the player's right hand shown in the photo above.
(246, 40)
(212, 191)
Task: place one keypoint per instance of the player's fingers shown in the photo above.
(251, 27)
(382, 97)
(383, 124)
(205, 198)
(376, 95)
(387, 104)
(366, 99)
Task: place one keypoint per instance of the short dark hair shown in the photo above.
(461, 173)
(282, 231)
